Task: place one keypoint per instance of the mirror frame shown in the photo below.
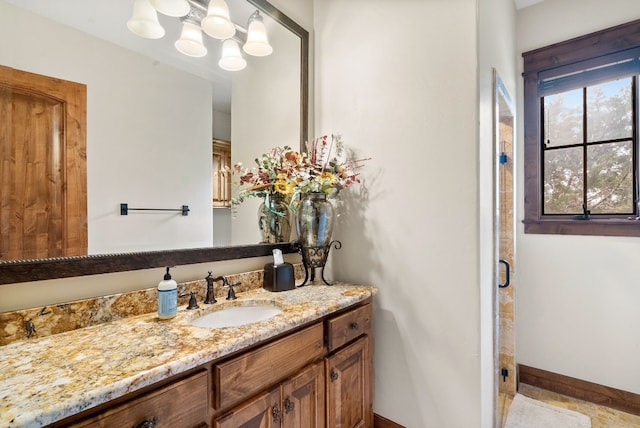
(16, 271)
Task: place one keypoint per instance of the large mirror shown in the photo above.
(151, 116)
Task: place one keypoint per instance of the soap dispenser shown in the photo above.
(167, 297)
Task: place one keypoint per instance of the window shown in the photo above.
(581, 135)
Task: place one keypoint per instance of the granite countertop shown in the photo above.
(47, 379)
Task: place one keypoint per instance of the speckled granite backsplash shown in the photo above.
(53, 319)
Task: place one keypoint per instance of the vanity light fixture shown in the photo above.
(212, 18)
(175, 8)
(144, 21)
(257, 43)
(190, 41)
(231, 59)
(217, 23)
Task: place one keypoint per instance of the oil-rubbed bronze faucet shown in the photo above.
(210, 298)
(231, 294)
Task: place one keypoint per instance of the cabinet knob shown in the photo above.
(333, 375)
(354, 326)
(275, 413)
(289, 406)
(147, 423)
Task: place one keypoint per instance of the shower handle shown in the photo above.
(507, 279)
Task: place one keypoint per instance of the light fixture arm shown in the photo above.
(254, 15)
(196, 14)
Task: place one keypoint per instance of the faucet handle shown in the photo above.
(231, 295)
(193, 303)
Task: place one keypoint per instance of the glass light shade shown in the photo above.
(217, 23)
(257, 43)
(190, 41)
(231, 57)
(171, 7)
(144, 21)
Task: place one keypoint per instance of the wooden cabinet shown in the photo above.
(263, 412)
(349, 401)
(221, 163)
(241, 377)
(349, 370)
(336, 392)
(296, 403)
(317, 376)
(344, 328)
(180, 404)
(303, 399)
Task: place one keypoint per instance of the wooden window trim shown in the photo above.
(590, 46)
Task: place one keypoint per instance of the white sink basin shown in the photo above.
(236, 316)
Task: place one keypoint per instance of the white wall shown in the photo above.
(399, 81)
(577, 298)
(148, 133)
(222, 125)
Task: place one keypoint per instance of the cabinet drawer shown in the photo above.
(180, 404)
(346, 327)
(243, 376)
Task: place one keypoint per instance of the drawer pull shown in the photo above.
(354, 326)
(147, 423)
(275, 413)
(333, 375)
(288, 405)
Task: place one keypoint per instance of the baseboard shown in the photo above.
(380, 422)
(599, 394)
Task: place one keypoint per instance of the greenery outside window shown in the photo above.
(581, 135)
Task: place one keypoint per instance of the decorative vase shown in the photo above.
(315, 220)
(314, 223)
(274, 219)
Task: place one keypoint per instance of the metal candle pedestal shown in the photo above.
(315, 257)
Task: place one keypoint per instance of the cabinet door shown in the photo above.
(239, 378)
(303, 399)
(261, 412)
(349, 393)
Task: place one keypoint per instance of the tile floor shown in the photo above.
(601, 417)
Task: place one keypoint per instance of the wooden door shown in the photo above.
(261, 412)
(303, 399)
(348, 374)
(43, 188)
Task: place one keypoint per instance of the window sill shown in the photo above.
(592, 227)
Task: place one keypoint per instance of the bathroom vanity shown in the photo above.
(310, 365)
